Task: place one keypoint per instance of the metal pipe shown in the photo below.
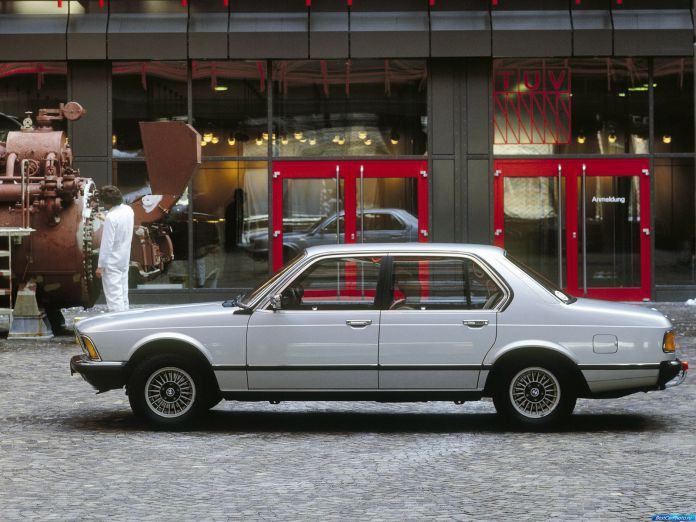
(560, 226)
(9, 166)
(338, 204)
(584, 229)
(362, 204)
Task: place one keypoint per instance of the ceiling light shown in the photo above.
(667, 139)
(215, 140)
(259, 139)
(303, 140)
(336, 139)
(298, 135)
(368, 142)
(208, 137)
(612, 137)
(394, 138)
(220, 88)
(265, 136)
(362, 135)
(312, 141)
(231, 141)
(113, 140)
(203, 143)
(284, 139)
(581, 138)
(341, 140)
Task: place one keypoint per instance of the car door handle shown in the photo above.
(475, 323)
(359, 323)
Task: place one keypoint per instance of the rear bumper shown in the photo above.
(672, 373)
(102, 375)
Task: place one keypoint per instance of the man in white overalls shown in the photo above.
(115, 249)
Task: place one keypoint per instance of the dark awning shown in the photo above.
(207, 35)
(460, 33)
(147, 36)
(87, 32)
(389, 34)
(653, 32)
(592, 34)
(268, 35)
(33, 37)
(531, 33)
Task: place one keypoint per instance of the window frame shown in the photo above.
(497, 279)
(264, 303)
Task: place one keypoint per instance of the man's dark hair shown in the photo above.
(110, 195)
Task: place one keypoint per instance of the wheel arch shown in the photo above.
(532, 354)
(171, 344)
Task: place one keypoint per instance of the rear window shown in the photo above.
(548, 285)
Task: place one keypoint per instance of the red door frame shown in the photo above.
(571, 171)
(349, 172)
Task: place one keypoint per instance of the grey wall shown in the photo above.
(460, 150)
(89, 137)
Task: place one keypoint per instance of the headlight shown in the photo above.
(91, 349)
(669, 344)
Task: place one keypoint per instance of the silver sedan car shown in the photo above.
(384, 322)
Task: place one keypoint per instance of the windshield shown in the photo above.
(548, 285)
(252, 295)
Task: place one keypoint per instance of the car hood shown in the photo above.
(194, 315)
(620, 314)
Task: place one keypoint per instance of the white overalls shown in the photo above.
(114, 256)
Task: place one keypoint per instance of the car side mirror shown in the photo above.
(275, 302)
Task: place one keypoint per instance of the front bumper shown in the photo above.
(103, 375)
(672, 373)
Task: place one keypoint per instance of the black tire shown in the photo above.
(534, 395)
(183, 393)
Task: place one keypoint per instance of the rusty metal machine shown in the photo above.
(42, 191)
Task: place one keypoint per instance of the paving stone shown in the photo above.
(67, 454)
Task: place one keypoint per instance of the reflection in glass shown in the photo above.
(30, 86)
(675, 222)
(531, 222)
(145, 91)
(230, 107)
(674, 104)
(131, 177)
(230, 210)
(608, 108)
(390, 210)
(350, 108)
(310, 211)
(612, 231)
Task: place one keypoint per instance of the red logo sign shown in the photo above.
(531, 106)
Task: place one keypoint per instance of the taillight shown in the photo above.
(669, 344)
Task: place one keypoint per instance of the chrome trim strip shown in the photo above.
(620, 366)
(356, 367)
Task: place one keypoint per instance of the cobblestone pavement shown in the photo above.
(66, 454)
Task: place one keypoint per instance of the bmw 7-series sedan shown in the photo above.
(384, 322)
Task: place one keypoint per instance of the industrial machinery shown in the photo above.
(40, 190)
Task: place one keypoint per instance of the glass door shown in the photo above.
(584, 224)
(609, 220)
(334, 202)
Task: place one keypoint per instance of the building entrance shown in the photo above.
(330, 202)
(584, 224)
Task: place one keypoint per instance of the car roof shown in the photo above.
(367, 248)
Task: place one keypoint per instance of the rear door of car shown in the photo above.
(438, 323)
(325, 335)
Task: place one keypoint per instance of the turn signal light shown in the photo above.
(91, 350)
(669, 344)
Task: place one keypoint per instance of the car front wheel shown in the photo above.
(534, 396)
(167, 392)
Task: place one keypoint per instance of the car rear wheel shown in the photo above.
(534, 395)
(168, 391)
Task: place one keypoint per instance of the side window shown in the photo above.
(382, 222)
(442, 283)
(330, 227)
(335, 284)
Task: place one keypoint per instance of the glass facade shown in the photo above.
(28, 87)
(675, 222)
(673, 83)
(575, 106)
(350, 108)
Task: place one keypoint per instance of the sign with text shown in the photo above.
(531, 106)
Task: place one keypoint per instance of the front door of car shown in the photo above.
(325, 333)
(438, 324)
